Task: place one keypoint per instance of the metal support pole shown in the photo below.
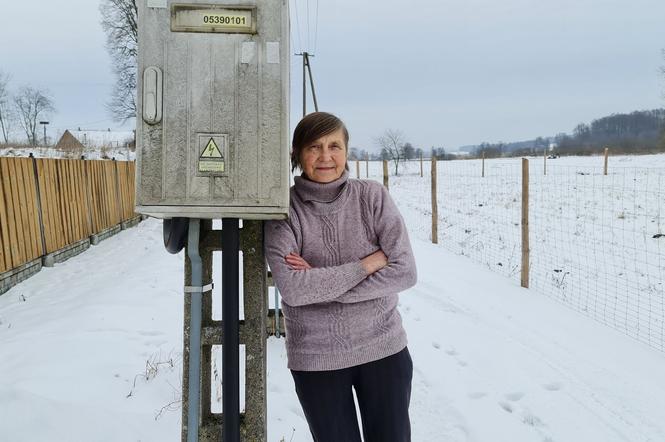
(194, 333)
(311, 82)
(278, 332)
(230, 330)
(304, 87)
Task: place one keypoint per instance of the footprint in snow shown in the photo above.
(506, 406)
(461, 363)
(514, 397)
(451, 351)
(531, 419)
(553, 386)
(436, 345)
(477, 395)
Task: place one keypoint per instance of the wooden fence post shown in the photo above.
(435, 206)
(421, 164)
(358, 169)
(545, 162)
(367, 165)
(385, 174)
(607, 150)
(483, 171)
(117, 191)
(525, 223)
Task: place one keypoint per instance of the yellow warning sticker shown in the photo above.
(211, 150)
(211, 158)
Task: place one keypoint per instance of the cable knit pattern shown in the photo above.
(337, 315)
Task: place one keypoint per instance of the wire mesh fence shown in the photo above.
(596, 241)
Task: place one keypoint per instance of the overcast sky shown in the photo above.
(444, 72)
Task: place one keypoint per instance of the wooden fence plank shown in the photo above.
(71, 203)
(132, 186)
(80, 180)
(11, 216)
(119, 171)
(83, 202)
(91, 198)
(98, 193)
(62, 209)
(36, 227)
(46, 218)
(34, 208)
(58, 229)
(74, 203)
(20, 189)
(18, 213)
(75, 180)
(32, 227)
(90, 190)
(115, 197)
(62, 205)
(5, 240)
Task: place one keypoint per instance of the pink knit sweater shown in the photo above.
(336, 315)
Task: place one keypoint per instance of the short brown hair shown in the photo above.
(312, 127)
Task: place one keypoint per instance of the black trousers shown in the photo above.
(383, 389)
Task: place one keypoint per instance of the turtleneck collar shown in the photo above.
(320, 192)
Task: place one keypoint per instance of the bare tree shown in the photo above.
(409, 151)
(392, 146)
(30, 104)
(120, 23)
(6, 111)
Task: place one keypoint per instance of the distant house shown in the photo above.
(70, 145)
(96, 143)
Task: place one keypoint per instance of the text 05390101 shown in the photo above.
(236, 20)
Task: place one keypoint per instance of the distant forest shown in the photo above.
(637, 132)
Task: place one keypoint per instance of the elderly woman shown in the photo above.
(339, 261)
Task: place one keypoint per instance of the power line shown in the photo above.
(316, 26)
(295, 7)
(308, 28)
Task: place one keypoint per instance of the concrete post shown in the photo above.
(253, 334)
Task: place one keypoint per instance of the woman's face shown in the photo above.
(324, 160)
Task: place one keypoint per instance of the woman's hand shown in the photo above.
(374, 262)
(371, 263)
(297, 262)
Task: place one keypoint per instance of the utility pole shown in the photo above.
(307, 70)
(311, 80)
(43, 123)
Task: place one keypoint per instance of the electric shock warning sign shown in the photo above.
(212, 149)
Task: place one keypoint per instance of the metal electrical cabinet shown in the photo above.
(212, 109)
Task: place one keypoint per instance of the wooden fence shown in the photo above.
(48, 204)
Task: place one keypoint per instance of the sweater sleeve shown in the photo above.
(400, 272)
(311, 286)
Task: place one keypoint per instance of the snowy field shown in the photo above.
(597, 242)
(90, 153)
(90, 350)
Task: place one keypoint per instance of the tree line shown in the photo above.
(636, 132)
(23, 109)
(631, 133)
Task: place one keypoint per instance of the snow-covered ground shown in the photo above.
(90, 350)
(90, 153)
(597, 243)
